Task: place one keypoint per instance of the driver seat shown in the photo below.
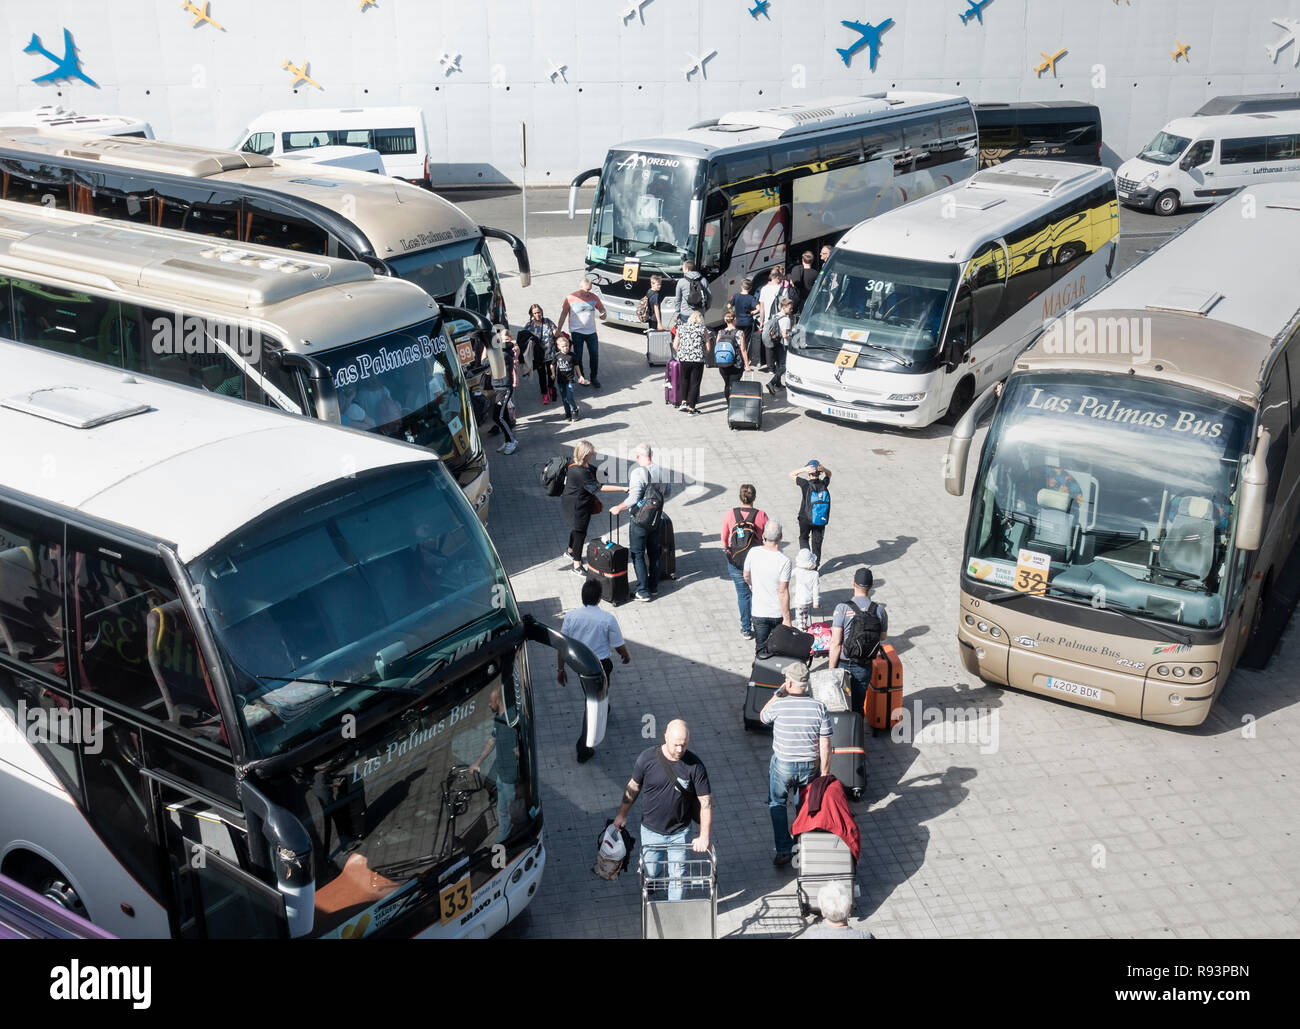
(1187, 549)
(1055, 523)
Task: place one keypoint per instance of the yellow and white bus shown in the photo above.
(1136, 498)
(921, 308)
(311, 335)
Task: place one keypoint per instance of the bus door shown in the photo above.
(972, 346)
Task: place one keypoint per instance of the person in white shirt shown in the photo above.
(580, 309)
(806, 584)
(767, 572)
(599, 631)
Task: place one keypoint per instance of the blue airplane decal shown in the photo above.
(976, 11)
(870, 38)
(760, 7)
(67, 68)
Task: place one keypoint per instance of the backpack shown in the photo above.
(694, 294)
(643, 309)
(724, 349)
(743, 535)
(772, 331)
(819, 505)
(651, 508)
(553, 476)
(862, 634)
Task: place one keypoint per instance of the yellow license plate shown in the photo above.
(455, 900)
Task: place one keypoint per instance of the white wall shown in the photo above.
(625, 79)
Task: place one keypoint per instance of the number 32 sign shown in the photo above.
(1032, 569)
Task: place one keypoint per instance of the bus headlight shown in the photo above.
(1179, 671)
(995, 632)
(793, 378)
(905, 398)
(1163, 671)
(983, 627)
(970, 619)
(1196, 672)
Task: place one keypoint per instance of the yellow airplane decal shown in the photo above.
(201, 14)
(299, 73)
(1181, 51)
(1049, 62)
(366, 3)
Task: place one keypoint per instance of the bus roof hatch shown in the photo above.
(78, 407)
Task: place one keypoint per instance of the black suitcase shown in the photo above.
(849, 751)
(786, 641)
(745, 408)
(765, 677)
(667, 549)
(607, 565)
(658, 347)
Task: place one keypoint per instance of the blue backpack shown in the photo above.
(724, 350)
(819, 506)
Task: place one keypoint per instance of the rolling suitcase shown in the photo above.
(821, 634)
(658, 347)
(607, 565)
(673, 392)
(822, 858)
(745, 408)
(849, 752)
(786, 641)
(667, 549)
(885, 693)
(765, 678)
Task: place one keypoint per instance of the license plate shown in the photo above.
(1122, 194)
(1075, 689)
(621, 316)
(844, 412)
(455, 900)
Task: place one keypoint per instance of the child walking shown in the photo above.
(805, 589)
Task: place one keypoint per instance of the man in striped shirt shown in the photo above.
(801, 750)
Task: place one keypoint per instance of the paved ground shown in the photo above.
(1068, 824)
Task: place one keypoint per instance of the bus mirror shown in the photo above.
(578, 180)
(697, 210)
(591, 676)
(1254, 492)
(954, 465)
(278, 838)
(520, 251)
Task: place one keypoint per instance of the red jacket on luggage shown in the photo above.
(825, 806)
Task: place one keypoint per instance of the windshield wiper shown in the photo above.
(338, 683)
(1079, 591)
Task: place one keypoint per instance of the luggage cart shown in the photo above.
(695, 915)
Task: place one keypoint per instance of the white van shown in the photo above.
(1200, 160)
(55, 116)
(358, 158)
(396, 132)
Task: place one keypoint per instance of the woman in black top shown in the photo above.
(581, 500)
(540, 342)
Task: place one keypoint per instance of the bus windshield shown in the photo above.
(1127, 486)
(1164, 149)
(458, 274)
(334, 602)
(889, 307)
(407, 385)
(643, 209)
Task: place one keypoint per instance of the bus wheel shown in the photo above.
(57, 889)
(1167, 202)
(1069, 253)
(1264, 629)
(961, 398)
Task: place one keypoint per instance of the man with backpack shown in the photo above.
(814, 481)
(857, 630)
(742, 530)
(646, 492)
(777, 289)
(692, 293)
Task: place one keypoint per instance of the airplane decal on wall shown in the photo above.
(65, 68)
(299, 73)
(636, 9)
(690, 69)
(1049, 62)
(201, 15)
(976, 11)
(1180, 50)
(869, 37)
(760, 8)
(1292, 27)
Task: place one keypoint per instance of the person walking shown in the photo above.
(580, 500)
(503, 359)
(770, 296)
(729, 353)
(504, 740)
(803, 278)
(805, 586)
(689, 346)
(785, 324)
(801, 751)
(825, 256)
(567, 373)
(677, 793)
(745, 304)
(654, 299)
(581, 308)
(814, 481)
(647, 489)
(693, 296)
(539, 336)
(854, 646)
(599, 630)
(767, 574)
(742, 530)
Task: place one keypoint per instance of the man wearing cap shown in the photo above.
(801, 750)
(844, 613)
(767, 574)
(811, 478)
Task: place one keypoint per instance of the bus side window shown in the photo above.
(180, 349)
(1030, 273)
(31, 597)
(120, 198)
(61, 320)
(30, 182)
(1293, 365)
(266, 370)
(7, 309)
(1275, 416)
(986, 278)
(271, 227)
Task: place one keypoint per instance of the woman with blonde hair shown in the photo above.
(692, 339)
(581, 500)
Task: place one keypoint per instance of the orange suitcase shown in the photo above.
(885, 694)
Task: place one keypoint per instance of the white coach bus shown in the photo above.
(918, 310)
(298, 332)
(753, 189)
(249, 668)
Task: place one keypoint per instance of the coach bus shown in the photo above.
(741, 193)
(920, 309)
(1058, 130)
(250, 668)
(302, 333)
(242, 197)
(1136, 499)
